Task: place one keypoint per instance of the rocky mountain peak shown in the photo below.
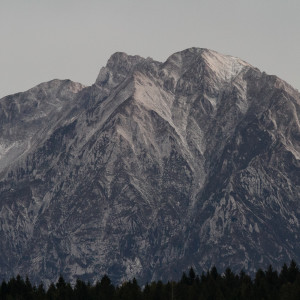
(118, 67)
(28, 112)
(156, 167)
(224, 66)
(122, 61)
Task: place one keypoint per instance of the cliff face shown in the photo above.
(154, 168)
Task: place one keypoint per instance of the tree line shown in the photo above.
(265, 285)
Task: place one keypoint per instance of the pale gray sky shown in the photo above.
(45, 39)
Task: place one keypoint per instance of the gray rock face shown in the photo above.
(154, 168)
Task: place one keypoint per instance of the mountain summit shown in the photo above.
(154, 168)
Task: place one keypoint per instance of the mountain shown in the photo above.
(154, 168)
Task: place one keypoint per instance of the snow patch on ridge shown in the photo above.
(224, 66)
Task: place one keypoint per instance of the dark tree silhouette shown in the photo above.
(267, 285)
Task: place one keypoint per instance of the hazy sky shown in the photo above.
(45, 39)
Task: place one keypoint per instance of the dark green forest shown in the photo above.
(268, 284)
